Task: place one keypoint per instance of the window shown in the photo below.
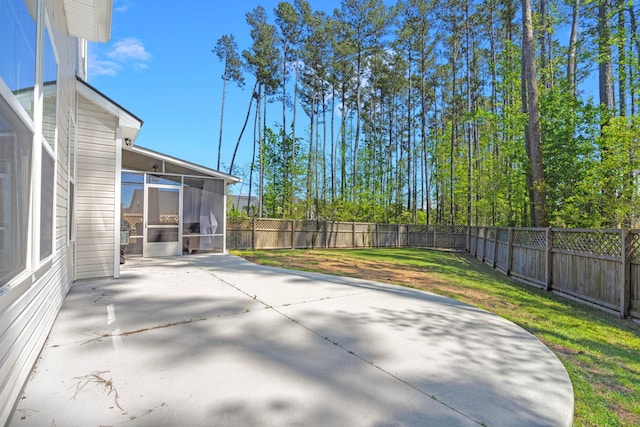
(46, 206)
(71, 170)
(26, 182)
(49, 122)
(18, 49)
(49, 92)
(18, 35)
(15, 172)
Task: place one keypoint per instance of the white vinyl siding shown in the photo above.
(95, 191)
(29, 306)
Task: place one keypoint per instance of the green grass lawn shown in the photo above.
(600, 351)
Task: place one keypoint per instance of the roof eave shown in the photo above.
(89, 19)
(129, 123)
(229, 179)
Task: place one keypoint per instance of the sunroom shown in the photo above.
(170, 206)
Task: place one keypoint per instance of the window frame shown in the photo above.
(36, 263)
(48, 147)
(72, 166)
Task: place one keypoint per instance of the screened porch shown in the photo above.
(170, 207)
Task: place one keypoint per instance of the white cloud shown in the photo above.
(99, 67)
(104, 68)
(128, 49)
(128, 53)
(121, 6)
(140, 66)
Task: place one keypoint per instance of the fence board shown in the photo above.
(502, 256)
(528, 264)
(596, 279)
(635, 288)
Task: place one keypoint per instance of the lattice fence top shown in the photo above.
(239, 224)
(589, 242)
(275, 225)
(633, 245)
(535, 238)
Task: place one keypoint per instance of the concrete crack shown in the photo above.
(138, 331)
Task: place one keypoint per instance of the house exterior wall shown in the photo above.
(30, 301)
(96, 191)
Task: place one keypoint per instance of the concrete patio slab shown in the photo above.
(215, 340)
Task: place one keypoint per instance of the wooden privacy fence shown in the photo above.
(263, 233)
(601, 267)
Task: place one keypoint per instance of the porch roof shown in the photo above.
(143, 159)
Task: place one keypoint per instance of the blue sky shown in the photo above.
(159, 66)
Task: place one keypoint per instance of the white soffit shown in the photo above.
(89, 19)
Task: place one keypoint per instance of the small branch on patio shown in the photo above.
(98, 378)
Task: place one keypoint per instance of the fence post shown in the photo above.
(435, 235)
(253, 235)
(293, 232)
(509, 251)
(377, 235)
(324, 234)
(353, 234)
(625, 291)
(484, 243)
(548, 265)
(474, 229)
(406, 235)
(495, 247)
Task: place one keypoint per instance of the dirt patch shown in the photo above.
(384, 272)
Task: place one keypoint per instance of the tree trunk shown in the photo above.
(454, 124)
(293, 139)
(224, 90)
(532, 132)
(285, 152)
(343, 142)
(468, 125)
(311, 160)
(262, 99)
(622, 60)
(605, 74)
(333, 144)
(256, 123)
(409, 132)
(573, 48)
(356, 142)
(244, 126)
